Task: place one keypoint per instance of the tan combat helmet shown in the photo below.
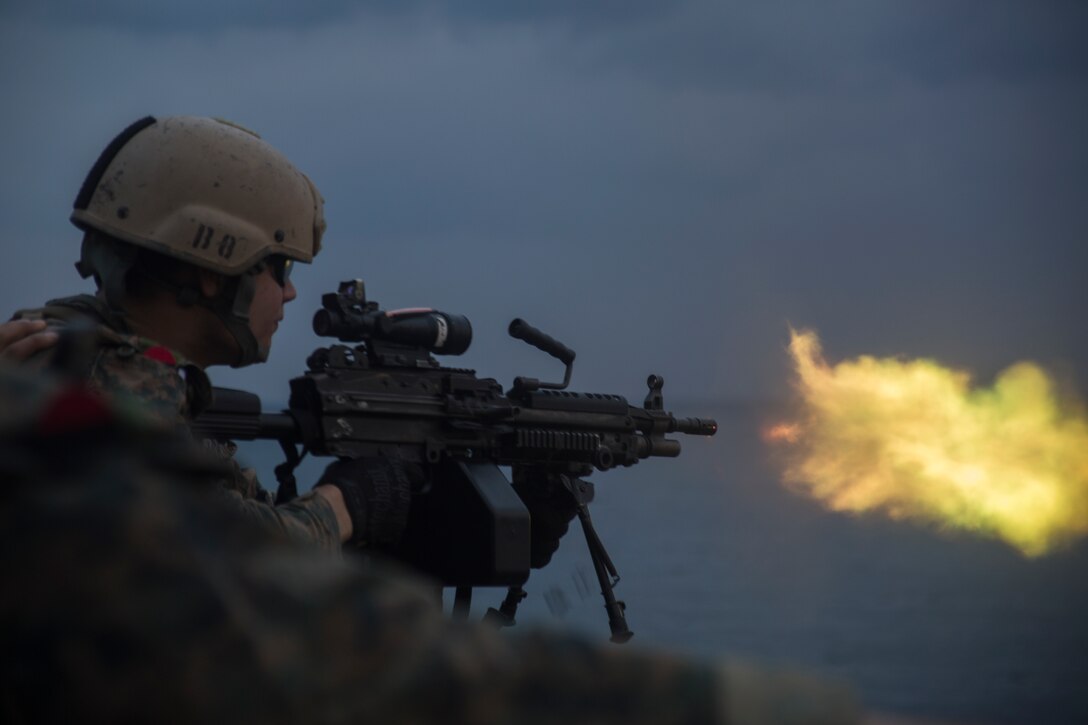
(203, 191)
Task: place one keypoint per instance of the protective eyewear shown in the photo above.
(281, 268)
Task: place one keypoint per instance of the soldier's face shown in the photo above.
(266, 309)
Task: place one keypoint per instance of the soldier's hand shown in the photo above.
(551, 509)
(376, 493)
(20, 339)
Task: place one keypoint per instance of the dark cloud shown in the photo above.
(777, 44)
(844, 44)
(663, 194)
(196, 16)
(213, 16)
(664, 187)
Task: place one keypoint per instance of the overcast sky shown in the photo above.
(661, 185)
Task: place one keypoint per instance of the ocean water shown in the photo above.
(718, 560)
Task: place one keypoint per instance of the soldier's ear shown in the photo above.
(210, 283)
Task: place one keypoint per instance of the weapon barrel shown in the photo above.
(697, 426)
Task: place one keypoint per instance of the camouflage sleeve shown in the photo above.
(381, 628)
(153, 610)
(309, 519)
(118, 366)
(132, 594)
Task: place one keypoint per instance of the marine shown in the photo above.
(191, 227)
(135, 594)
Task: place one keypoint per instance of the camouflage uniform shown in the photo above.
(131, 596)
(175, 391)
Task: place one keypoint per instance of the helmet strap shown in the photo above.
(108, 262)
(232, 309)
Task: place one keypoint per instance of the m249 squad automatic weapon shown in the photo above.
(387, 396)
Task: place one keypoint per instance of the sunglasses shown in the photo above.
(281, 268)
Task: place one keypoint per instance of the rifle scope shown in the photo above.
(437, 332)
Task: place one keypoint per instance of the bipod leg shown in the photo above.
(603, 565)
(462, 602)
(505, 615)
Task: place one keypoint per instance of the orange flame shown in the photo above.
(915, 440)
(789, 432)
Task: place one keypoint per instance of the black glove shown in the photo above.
(377, 493)
(551, 509)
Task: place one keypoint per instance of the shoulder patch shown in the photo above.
(162, 354)
(74, 408)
